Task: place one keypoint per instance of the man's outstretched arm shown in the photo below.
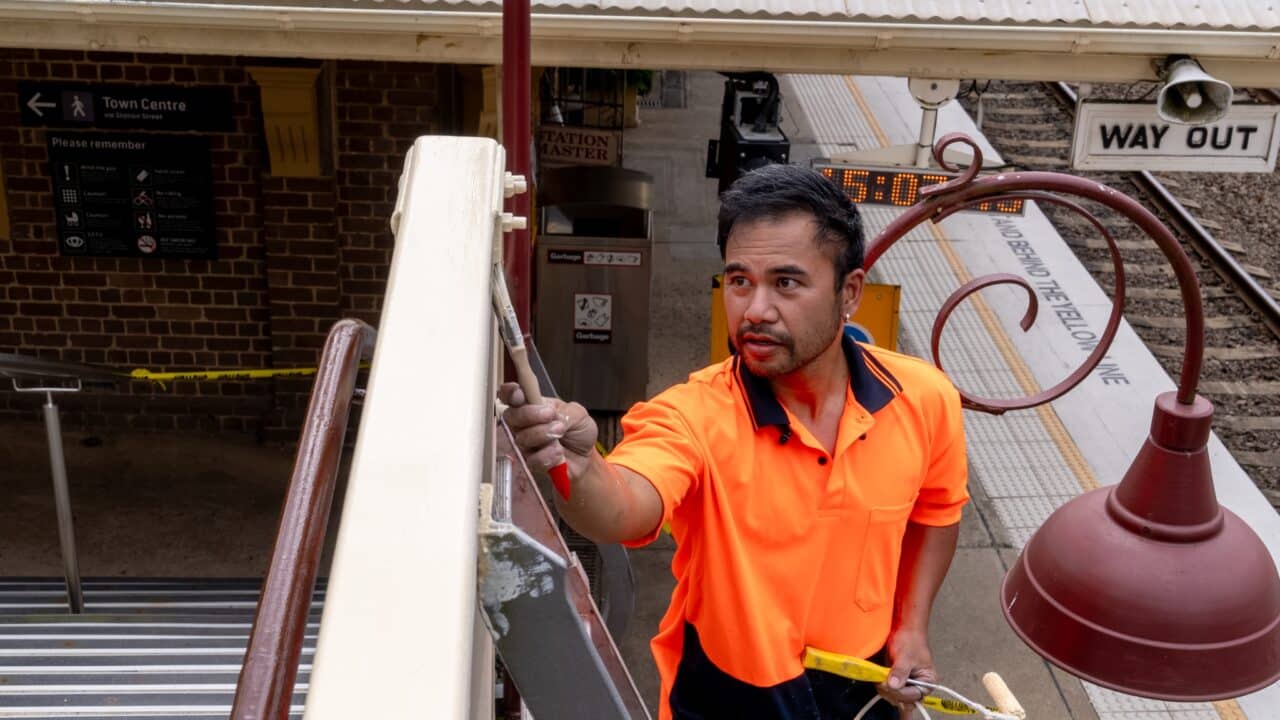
(608, 503)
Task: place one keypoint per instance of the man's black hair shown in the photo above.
(773, 191)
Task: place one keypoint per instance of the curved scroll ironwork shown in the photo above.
(967, 174)
(999, 406)
(968, 189)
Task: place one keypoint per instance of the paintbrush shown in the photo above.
(509, 328)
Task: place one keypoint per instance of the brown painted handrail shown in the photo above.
(265, 689)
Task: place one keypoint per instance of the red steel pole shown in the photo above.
(516, 109)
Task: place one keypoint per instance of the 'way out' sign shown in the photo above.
(1131, 136)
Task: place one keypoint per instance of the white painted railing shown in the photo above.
(401, 636)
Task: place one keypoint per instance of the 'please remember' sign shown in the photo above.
(1131, 136)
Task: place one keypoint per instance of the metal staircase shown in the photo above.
(159, 648)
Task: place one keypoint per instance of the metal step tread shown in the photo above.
(149, 596)
(95, 626)
(138, 583)
(154, 648)
(131, 712)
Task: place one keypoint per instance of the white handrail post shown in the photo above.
(399, 637)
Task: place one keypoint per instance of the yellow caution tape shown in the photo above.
(255, 374)
(141, 374)
(856, 668)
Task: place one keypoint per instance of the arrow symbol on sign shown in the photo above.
(35, 105)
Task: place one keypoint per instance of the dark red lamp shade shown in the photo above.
(1151, 587)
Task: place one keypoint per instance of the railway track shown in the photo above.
(1031, 125)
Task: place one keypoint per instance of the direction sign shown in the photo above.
(158, 107)
(1131, 136)
(37, 105)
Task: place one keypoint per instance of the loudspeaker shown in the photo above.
(1191, 96)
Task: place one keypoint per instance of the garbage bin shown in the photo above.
(592, 295)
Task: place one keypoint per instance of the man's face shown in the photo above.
(780, 295)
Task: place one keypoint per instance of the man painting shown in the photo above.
(813, 484)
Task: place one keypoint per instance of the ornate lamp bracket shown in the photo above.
(968, 189)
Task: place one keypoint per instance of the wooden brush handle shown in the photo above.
(524, 375)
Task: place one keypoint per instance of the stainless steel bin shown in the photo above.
(594, 261)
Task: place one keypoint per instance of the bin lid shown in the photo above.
(605, 186)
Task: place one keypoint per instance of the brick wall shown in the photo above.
(294, 254)
(380, 109)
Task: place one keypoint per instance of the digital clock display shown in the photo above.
(901, 188)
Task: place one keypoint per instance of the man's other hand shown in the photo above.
(550, 433)
(909, 651)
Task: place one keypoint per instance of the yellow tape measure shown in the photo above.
(866, 671)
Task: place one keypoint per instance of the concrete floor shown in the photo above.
(143, 504)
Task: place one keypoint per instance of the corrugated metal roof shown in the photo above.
(1074, 40)
(1150, 14)
(1251, 14)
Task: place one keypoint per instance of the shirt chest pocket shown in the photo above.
(881, 552)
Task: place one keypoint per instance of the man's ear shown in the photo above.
(851, 291)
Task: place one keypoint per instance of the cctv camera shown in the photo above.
(1190, 96)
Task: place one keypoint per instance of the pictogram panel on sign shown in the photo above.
(592, 318)
(139, 195)
(611, 257)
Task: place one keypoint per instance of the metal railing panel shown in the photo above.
(547, 629)
(398, 634)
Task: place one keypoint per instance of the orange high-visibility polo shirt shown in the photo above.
(780, 544)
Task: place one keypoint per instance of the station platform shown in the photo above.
(1022, 465)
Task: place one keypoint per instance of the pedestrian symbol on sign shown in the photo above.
(77, 106)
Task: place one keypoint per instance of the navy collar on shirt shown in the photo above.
(873, 389)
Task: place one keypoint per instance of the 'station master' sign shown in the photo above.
(560, 145)
(1131, 136)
